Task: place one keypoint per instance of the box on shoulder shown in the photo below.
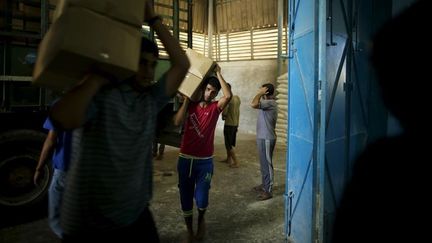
(128, 11)
(201, 66)
(81, 39)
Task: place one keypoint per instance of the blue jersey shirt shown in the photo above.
(62, 151)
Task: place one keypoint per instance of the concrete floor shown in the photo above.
(233, 215)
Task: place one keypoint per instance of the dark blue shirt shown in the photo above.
(62, 151)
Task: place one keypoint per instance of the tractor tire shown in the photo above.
(19, 155)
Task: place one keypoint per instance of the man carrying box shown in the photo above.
(195, 162)
(109, 186)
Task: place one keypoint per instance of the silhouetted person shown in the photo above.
(387, 197)
(266, 105)
(231, 116)
(109, 185)
(56, 148)
(158, 149)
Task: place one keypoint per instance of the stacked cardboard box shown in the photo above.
(201, 66)
(128, 11)
(85, 34)
(31, 16)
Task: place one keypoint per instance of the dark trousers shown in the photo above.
(142, 230)
(230, 136)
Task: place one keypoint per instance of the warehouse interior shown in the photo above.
(315, 52)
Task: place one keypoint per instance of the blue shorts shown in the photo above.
(194, 182)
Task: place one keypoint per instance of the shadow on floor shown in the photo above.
(15, 216)
(234, 214)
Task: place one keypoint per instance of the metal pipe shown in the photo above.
(348, 90)
(152, 36)
(280, 40)
(227, 45)
(190, 23)
(319, 124)
(252, 43)
(291, 27)
(288, 203)
(44, 17)
(210, 29)
(20, 34)
(4, 73)
(332, 43)
(175, 18)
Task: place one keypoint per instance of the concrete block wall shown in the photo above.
(245, 78)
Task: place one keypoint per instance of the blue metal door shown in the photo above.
(306, 75)
(355, 115)
(334, 107)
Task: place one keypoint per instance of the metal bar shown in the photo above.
(319, 126)
(344, 15)
(20, 34)
(190, 23)
(3, 103)
(348, 89)
(210, 28)
(40, 98)
(336, 83)
(228, 45)
(16, 78)
(175, 18)
(218, 47)
(152, 32)
(356, 22)
(279, 39)
(290, 43)
(252, 43)
(291, 27)
(205, 43)
(332, 43)
(296, 8)
(44, 17)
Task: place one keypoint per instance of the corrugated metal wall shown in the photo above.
(240, 15)
(230, 15)
(199, 13)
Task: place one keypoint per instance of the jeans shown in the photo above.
(55, 195)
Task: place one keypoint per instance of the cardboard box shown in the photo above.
(30, 11)
(128, 11)
(200, 68)
(81, 39)
(17, 24)
(32, 26)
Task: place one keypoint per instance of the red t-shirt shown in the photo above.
(199, 128)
